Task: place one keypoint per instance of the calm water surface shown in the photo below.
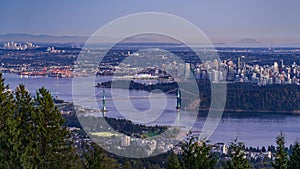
(255, 129)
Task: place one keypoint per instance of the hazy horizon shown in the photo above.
(222, 22)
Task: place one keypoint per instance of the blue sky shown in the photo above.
(230, 20)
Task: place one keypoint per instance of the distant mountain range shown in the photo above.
(80, 40)
(18, 37)
(248, 41)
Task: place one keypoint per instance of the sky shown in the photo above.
(221, 21)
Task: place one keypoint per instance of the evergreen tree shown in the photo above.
(237, 156)
(281, 155)
(137, 164)
(195, 155)
(32, 134)
(173, 162)
(127, 165)
(17, 132)
(96, 158)
(188, 156)
(9, 154)
(294, 162)
(24, 116)
(52, 143)
(204, 158)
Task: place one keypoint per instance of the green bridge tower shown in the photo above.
(178, 105)
(103, 110)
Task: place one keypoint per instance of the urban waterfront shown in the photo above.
(253, 128)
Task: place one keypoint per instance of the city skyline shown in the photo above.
(228, 21)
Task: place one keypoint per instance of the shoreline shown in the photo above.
(252, 111)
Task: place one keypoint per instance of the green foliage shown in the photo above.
(122, 125)
(25, 117)
(204, 158)
(267, 98)
(127, 165)
(51, 143)
(173, 162)
(153, 162)
(33, 135)
(31, 131)
(195, 155)
(9, 142)
(281, 155)
(294, 162)
(188, 156)
(237, 156)
(96, 158)
(137, 164)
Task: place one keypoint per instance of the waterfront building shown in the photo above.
(125, 141)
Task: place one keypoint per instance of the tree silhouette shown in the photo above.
(195, 155)
(237, 156)
(294, 162)
(32, 134)
(281, 156)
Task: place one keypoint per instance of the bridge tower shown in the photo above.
(103, 110)
(178, 105)
(178, 97)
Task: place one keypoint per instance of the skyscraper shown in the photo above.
(238, 65)
(276, 67)
(187, 73)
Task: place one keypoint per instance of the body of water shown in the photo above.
(255, 129)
